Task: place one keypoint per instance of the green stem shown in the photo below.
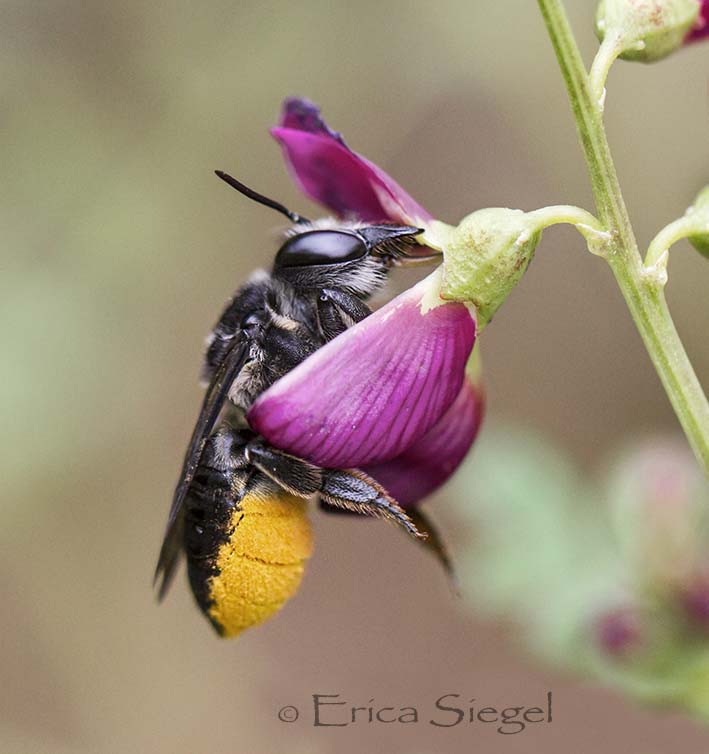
(587, 224)
(565, 213)
(608, 51)
(644, 298)
(681, 228)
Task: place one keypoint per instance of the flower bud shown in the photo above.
(486, 255)
(618, 631)
(695, 601)
(647, 29)
(699, 212)
(660, 507)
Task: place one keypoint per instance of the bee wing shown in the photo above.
(217, 391)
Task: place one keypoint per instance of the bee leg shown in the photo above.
(435, 545)
(295, 475)
(329, 318)
(325, 507)
(332, 304)
(241, 315)
(352, 306)
(350, 490)
(354, 491)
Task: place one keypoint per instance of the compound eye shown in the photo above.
(320, 247)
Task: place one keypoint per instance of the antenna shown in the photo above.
(272, 203)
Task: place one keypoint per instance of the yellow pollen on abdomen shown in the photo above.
(261, 565)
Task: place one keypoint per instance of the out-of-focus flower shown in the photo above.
(695, 600)
(631, 610)
(392, 394)
(648, 30)
(659, 501)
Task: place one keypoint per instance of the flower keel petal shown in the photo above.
(372, 392)
(430, 461)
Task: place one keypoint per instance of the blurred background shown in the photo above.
(119, 248)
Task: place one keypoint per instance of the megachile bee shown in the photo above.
(232, 483)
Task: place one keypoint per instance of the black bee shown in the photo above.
(233, 484)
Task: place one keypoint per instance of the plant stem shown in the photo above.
(608, 51)
(565, 213)
(683, 227)
(644, 298)
(587, 224)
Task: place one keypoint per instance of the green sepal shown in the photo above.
(486, 255)
(647, 30)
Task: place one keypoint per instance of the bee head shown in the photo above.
(326, 243)
(328, 253)
(354, 257)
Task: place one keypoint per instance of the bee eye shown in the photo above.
(320, 247)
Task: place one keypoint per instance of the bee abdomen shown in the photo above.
(257, 564)
(209, 512)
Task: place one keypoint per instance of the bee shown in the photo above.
(238, 510)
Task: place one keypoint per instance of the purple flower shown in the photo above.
(700, 29)
(391, 394)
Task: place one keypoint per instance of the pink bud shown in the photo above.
(619, 631)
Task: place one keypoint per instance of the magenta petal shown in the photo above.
(377, 388)
(303, 115)
(701, 27)
(327, 170)
(432, 459)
